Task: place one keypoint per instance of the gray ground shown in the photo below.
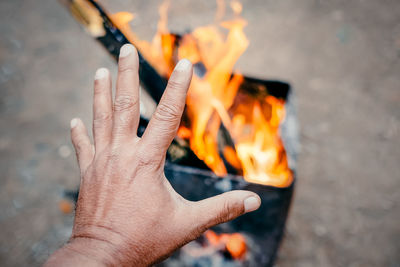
(342, 57)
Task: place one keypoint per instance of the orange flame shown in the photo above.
(253, 126)
(234, 243)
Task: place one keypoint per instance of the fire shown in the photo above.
(234, 243)
(257, 150)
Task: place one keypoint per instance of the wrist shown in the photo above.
(83, 252)
(96, 251)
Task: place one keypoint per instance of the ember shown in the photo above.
(234, 243)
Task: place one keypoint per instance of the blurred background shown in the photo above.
(341, 57)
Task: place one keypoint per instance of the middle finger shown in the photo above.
(126, 104)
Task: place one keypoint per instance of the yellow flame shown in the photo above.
(254, 125)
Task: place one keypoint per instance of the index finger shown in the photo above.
(166, 119)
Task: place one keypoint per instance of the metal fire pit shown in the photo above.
(264, 228)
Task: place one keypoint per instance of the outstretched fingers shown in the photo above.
(166, 119)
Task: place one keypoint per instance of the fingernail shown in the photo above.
(183, 65)
(101, 73)
(126, 50)
(74, 122)
(251, 204)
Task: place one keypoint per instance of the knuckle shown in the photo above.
(226, 213)
(146, 158)
(115, 149)
(100, 118)
(114, 155)
(175, 85)
(80, 144)
(125, 102)
(167, 112)
(146, 161)
(98, 87)
(125, 68)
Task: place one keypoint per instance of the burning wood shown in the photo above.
(250, 120)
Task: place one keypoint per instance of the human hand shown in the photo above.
(127, 212)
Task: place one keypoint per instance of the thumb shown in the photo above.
(224, 207)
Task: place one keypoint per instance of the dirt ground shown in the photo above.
(341, 57)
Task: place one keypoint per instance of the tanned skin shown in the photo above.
(127, 212)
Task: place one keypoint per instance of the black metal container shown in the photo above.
(264, 228)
